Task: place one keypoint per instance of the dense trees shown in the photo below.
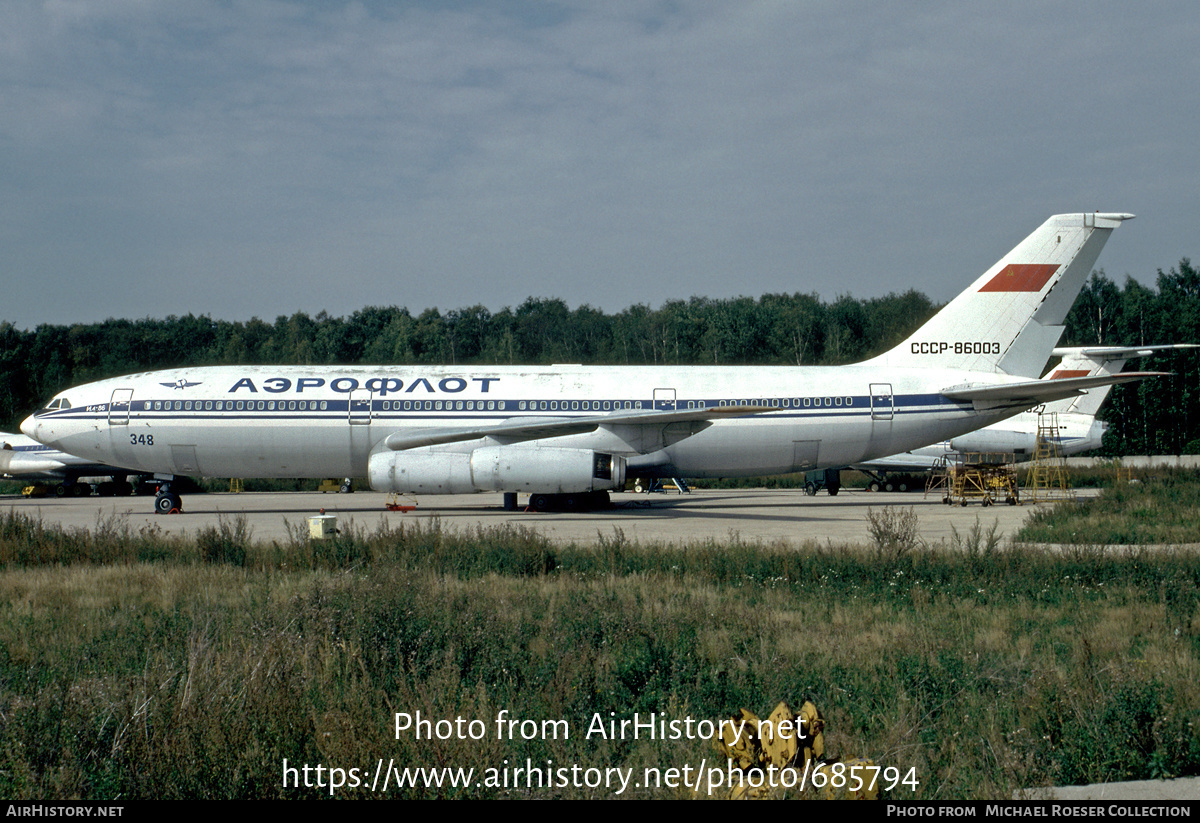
(774, 329)
(1156, 416)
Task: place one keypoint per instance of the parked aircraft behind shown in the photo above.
(23, 458)
(570, 433)
(1076, 428)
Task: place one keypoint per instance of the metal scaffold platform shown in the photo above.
(983, 476)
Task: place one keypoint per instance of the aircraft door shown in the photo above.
(882, 412)
(359, 414)
(120, 443)
(118, 407)
(882, 403)
(664, 400)
(360, 407)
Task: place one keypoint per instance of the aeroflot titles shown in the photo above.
(378, 385)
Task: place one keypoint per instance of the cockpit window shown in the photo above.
(59, 403)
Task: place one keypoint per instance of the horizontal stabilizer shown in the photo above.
(1101, 353)
(520, 429)
(1042, 391)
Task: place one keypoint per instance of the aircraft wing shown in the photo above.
(518, 429)
(1042, 391)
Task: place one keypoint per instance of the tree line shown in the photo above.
(780, 329)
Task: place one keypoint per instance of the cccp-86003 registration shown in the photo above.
(956, 346)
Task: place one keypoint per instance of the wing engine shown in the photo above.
(497, 468)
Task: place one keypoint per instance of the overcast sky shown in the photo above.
(261, 158)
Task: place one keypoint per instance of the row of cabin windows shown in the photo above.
(481, 405)
(522, 405)
(578, 405)
(444, 405)
(784, 402)
(238, 405)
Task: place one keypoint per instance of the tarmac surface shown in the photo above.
(767, 515)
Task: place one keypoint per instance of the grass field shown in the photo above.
(137, 665)
(1163, 510)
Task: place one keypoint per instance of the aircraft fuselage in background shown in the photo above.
(23, 458)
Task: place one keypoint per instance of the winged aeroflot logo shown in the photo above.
(181, 383)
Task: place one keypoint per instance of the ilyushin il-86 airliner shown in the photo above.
(567, 434)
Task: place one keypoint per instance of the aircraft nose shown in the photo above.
(29, 427)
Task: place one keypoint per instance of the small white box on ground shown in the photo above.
(322, 526)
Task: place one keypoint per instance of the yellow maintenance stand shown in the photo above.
(988, 477)
(1048, 478)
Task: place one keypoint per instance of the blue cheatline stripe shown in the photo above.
(334, 416)
(856, 402)
(859, 406)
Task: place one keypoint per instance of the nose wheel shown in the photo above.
(167, 501)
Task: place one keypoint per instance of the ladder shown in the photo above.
(1048, 479)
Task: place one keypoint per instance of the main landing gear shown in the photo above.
(584, 501)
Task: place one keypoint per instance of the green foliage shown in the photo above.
(133, 664)
(983, 667)
(1151, 416)
(227, 542)
(1157, 510)
(26, 541)
(895, 532)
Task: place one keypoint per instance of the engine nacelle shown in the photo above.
(497, 469)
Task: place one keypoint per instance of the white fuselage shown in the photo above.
(324, 421)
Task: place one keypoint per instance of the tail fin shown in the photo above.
(1010, 318)
(1087, 361)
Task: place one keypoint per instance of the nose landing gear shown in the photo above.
(167, 501)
